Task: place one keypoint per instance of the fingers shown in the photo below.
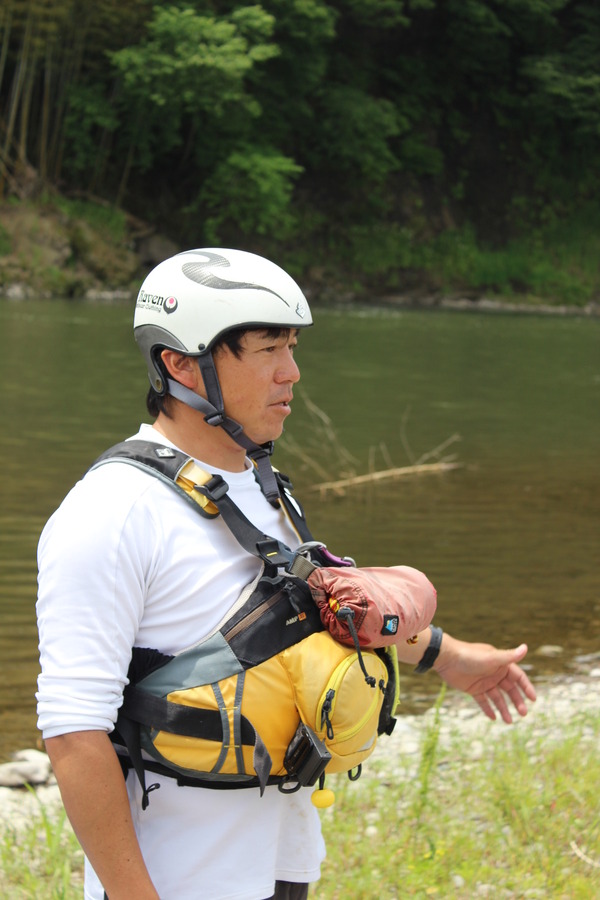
(526, 686)
(515, 686)
(485, 705)
(498, 698)
(519, 688)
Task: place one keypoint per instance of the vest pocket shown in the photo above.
(334, 699)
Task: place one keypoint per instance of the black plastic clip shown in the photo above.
(274, 552)
(214, 489)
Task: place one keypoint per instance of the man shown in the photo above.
(125, 563)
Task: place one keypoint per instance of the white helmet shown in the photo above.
(188, 301)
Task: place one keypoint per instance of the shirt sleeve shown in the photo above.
(94, 561)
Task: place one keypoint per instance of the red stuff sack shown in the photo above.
(383, 606)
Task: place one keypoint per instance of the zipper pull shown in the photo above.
(288, 588)
(325, 710)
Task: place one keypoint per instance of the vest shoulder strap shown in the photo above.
(207, 493)
(171, 466)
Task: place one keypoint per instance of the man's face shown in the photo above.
(257, 387)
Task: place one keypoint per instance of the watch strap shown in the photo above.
(432, 651)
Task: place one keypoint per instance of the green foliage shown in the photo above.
(190, 61)
(89, 113)
(356, 132)
(554, 262)
(189, 71)
(303, 20)
(339, 113)
(382, 13)
(251, 189)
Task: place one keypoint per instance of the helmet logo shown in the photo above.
(300, 310)
(201, 273)
(156, 302)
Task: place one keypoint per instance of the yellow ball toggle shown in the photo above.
(323, 798)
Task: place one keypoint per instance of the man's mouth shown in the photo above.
(283, 405)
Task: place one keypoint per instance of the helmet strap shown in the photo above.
(214, 414)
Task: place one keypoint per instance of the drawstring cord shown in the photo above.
(347, 615)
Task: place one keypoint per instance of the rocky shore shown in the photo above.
(558, 702)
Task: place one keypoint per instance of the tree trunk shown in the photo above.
(6, 30)
(15, 98)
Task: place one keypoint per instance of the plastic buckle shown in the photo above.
(214, 418)
(274, 552)
(214, 489)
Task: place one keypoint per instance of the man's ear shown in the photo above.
(183, 369)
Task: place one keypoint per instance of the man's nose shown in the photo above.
(289, 370)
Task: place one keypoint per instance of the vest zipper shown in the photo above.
(326, 707)
(251, 617)
(325, 712)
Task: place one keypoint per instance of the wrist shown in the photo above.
(432, 651)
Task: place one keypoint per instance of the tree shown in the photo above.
(187, 74)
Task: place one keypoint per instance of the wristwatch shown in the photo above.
(431, 654)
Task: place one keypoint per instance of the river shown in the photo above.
(509, 537)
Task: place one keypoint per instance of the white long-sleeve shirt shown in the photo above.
(125, 562)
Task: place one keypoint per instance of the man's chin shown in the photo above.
(262, 439)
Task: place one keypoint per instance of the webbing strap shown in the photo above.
(177, 718)
(292, 508)
(251, 538)
(168, 464)
(191, 721)
(214, 415)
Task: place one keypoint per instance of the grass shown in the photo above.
(41, 859)
(98, 215)
(510, 815)
(514, 819)
(553, 262)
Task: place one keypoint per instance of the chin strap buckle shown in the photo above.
(215, 418)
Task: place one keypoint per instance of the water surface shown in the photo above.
(510, 539)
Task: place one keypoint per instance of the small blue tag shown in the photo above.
(390, 625)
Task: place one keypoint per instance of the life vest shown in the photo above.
(269, 697)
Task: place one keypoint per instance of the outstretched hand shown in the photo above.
(490, 675)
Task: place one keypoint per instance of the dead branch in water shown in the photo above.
(324, 443)
(338, 487)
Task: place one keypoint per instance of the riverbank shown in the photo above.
(86, 250)
(397, 757)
